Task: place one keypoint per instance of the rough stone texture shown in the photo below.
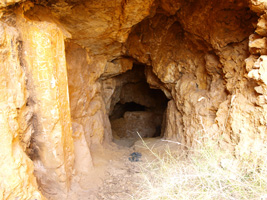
(116, 67)
(5, 3)
(208, 57)
(44, 60)
(173, 122)
(16, 169)
(252, 136)
(83, 160)
(115, 89)
(258, 6)
(101, 26)
(87, 105)
(127, 88)
(198, 57)
(145, 123)
(262, 26)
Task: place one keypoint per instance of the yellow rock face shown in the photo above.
(101, 26)
(16, 169)
(44, 58)
(194, 51)
(87, 105)
(4, 3)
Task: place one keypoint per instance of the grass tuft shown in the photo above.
(205, 173)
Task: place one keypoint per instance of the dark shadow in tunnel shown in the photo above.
(138, 108)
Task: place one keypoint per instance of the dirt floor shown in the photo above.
(115, 176)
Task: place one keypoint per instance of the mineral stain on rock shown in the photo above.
(98, 71)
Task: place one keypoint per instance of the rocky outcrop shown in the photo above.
(254, 139)
(100, 26)
(133, 106)
(137, 124)
(87, 106)
(43, 56)
(16, 168)
(198, 56)
(67, 66)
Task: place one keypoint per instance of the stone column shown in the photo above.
(44, 60)
(16, 169)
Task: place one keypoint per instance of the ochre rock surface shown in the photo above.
(5, 3)
(101, 26)
(198, 56)
(143, 122)
(66, 64)
(44, 59)
(16, 168)
(87, 105)
(253, 135)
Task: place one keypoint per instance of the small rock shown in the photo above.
(135, 157)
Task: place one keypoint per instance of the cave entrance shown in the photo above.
(136, 108)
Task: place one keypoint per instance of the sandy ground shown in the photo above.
(114, 176)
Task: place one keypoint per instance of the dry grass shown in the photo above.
(206, 173)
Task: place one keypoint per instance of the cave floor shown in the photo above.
(114, 176)
(123, 178)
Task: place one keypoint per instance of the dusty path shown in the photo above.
(119, 178)
(123, 179)
(114, 176)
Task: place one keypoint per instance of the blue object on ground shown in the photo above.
(135, 157)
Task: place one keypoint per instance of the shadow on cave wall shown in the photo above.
(135, 107)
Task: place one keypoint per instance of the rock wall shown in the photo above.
(43, 56)
(254, 140)
(102, 26)
(132, 105)
(16, 168)
(87, 106)
(60, 63)
(198, 55)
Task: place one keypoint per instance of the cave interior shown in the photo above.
(137, 110)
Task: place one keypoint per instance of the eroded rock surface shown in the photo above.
(67, 72)
(139, 122)
(101, 26)
(44, 60)
(16, 168)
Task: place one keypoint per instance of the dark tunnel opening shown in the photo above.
(139, 110)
